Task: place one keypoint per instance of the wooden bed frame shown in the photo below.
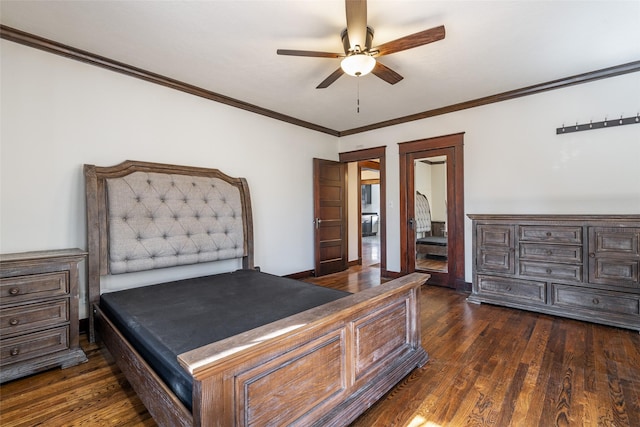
(324, 366)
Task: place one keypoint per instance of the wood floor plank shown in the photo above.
(489, 366)
(512, 395)
(631, 378)
(504, 379)
(531, 361)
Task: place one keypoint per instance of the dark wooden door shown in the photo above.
(330, 216)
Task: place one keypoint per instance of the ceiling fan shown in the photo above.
(359, 55)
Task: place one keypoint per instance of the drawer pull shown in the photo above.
(508, 288)
(592, 255)
(14, 321)
(14, 291)
(595, 301)
(548, 234)
(548, 271)
(549, 252)
(15, 351)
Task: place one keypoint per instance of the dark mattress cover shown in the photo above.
(432, 240)
(162, 321)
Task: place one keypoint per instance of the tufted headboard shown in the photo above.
(422, 214)
(143, 216)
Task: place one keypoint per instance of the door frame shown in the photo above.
(368, 154)
(453, 145)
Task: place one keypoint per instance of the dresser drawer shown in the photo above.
(555, 234)
(616, 241)
(596, 300)
(26, 288)
(551, 271)
(16, 320)
(552, 253)
(512, 289)
(495, 235)
(33, 345)
(615, 271)
(497, 260)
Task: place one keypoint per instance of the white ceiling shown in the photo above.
(229, 47)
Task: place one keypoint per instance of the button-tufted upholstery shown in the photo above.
(161, 220)
(422, 214)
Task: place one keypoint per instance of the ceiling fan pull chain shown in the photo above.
(358, 96)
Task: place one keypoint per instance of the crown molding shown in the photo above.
(604, 73)
(54, 47)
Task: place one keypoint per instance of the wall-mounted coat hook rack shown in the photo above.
(599, 125)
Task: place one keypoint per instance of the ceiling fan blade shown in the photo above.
(386, 73)
(357, 23)
(411, 41)
(308, 53)
(332, 78)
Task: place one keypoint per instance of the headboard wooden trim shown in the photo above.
(97, 218)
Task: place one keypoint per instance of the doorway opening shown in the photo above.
(369, 172)
(432, 209)
(367, 209)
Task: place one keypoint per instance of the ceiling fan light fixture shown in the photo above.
(359, 64)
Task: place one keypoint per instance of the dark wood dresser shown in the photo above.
(39, 312)
(584, 267)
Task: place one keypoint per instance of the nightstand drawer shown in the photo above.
(32, 287)
(33, 345)
(24, 318)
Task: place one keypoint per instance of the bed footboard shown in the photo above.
(324, 366)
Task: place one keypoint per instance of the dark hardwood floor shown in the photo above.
(489, 366)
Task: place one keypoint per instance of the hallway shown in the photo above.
(371, 250)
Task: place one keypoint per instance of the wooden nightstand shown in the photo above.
(39, 312)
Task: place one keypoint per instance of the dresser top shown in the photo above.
(555, 217)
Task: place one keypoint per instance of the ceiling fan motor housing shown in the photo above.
(347, 46)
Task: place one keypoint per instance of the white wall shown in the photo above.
(422, 179)
(58, 114)
(439, 192)
(515, 163)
